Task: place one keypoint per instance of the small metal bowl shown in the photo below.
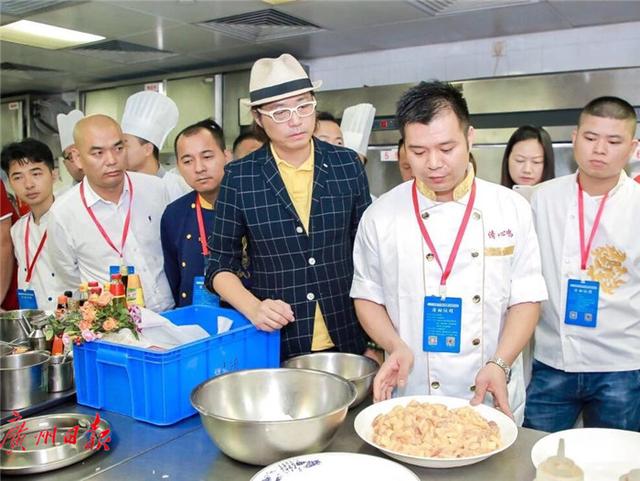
(261, 416)
(360, 370)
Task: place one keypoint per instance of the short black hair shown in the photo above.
(207, 124)
(422, 103)
(326, 117)
(400, 143)
(527, 132)
(248, 134)
(611, 108)
(156, 150)
(28, 150)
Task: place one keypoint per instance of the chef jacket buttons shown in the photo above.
(435, 385)
(312, 261)
(188, 236)
(299, 230)
(193, 206)
(476, 342)
(476, 215)
(310, 296)
(183, 295)
(184, 264)
(425, 215)
(429, 256)
(476, 299)
(475, 254)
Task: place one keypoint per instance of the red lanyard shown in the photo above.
(31, 265)
(203, 235)
(127, 220)
(584, 250)
(456, 245)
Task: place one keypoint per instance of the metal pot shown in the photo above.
(60, 373)
(16, 325)
(5, 349)
(24, 379)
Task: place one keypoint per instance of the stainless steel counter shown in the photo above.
(141, 451)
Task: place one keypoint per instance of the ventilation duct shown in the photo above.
(261, 26)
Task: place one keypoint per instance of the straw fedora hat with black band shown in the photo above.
(278, 78)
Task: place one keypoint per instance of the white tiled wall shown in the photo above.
(608, 46)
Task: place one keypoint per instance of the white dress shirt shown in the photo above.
(497, 266)
(44, 281)
(80, 253)
(175, 184)
(613, 345)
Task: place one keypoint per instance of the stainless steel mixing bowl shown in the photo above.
(360, 370)
(261, 416)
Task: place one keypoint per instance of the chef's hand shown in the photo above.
(271, 315)
(393, 372)
(491, 379)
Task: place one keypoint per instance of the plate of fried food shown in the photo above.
(435, 431)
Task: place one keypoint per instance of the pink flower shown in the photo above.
(88, 335)
(104, 299)
(110, 324)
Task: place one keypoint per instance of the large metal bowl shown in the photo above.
(264, 415)
(360, 370)
(24, 379)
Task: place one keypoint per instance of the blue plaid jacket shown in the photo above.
(288, 263)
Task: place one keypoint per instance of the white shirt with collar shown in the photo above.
(44, 282)
(497, 266)
(175, 184)
(80, 253)
(614, 261)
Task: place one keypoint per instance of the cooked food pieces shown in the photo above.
(435, 431)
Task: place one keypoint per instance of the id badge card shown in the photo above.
(27, 299)
(203, 296)
(442, 324)
(582, 303)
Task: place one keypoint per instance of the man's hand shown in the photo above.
(491, 378)
(271, 315)
(393, 372)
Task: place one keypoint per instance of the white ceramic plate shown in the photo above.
(335, 467)
(603, 454)
(364, 428)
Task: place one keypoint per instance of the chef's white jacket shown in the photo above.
(79, 253)
(613, 345)
(498, 266)
(43, 279)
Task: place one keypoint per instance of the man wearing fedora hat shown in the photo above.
(298, 202)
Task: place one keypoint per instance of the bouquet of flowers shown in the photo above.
(97, 316)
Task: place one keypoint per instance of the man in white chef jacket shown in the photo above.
(587, 351)
(147, 120)
(455, 334)
(110, 218)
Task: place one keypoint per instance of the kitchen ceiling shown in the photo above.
(157, 38)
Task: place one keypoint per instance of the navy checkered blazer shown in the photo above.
(288, 263)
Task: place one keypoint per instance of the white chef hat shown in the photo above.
(356, 125)
(66, 124)
(150, 116)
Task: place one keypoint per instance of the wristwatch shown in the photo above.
(502, 364)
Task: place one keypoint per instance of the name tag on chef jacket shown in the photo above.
(27, 299)
(203, 296)
(442, 324)
(582, 303)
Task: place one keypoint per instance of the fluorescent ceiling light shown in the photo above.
(277, 2)
(41, 35)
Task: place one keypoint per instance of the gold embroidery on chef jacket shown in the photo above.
(607, 268)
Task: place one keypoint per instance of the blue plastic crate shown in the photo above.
(155, 386)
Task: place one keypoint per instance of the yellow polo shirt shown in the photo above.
(299, 184)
